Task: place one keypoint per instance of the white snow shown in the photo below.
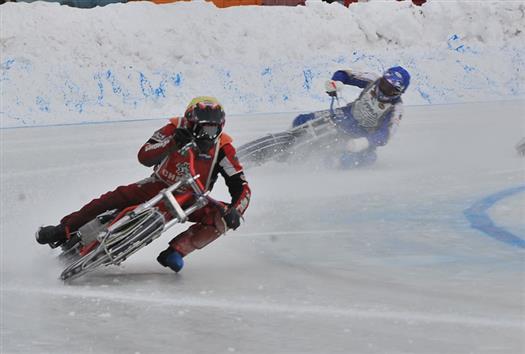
(141, 60)
(376, 260)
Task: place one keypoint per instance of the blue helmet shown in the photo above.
(393, 83)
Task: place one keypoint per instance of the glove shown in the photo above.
(232, 218)
(332, 87)
(181, 137)
(357, 145)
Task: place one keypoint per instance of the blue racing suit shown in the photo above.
(367, 117)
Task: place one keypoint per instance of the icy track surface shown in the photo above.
(378, 260)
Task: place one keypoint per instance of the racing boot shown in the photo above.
(195, 237)
(52, 235)
(171, 258)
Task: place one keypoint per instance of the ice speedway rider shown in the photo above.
(372, 119)
(202, 123)
(344, 137)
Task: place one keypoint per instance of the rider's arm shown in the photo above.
(157, 147)
(388, 128)
(354, 78)
(231, 169)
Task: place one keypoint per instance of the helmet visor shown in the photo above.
(207, 131)
(388, 89)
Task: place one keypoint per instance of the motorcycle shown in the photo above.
(112, 237)
(295, 144)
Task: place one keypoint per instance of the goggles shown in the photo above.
(207, 131)
(388, 89)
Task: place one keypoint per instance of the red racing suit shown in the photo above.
(160, 152)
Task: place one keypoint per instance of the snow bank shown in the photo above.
(141, 60)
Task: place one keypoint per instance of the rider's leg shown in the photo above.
(120, 198)
(208, 228)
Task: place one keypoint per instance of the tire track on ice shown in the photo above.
(280, 308)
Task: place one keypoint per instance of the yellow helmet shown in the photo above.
(205, 117)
